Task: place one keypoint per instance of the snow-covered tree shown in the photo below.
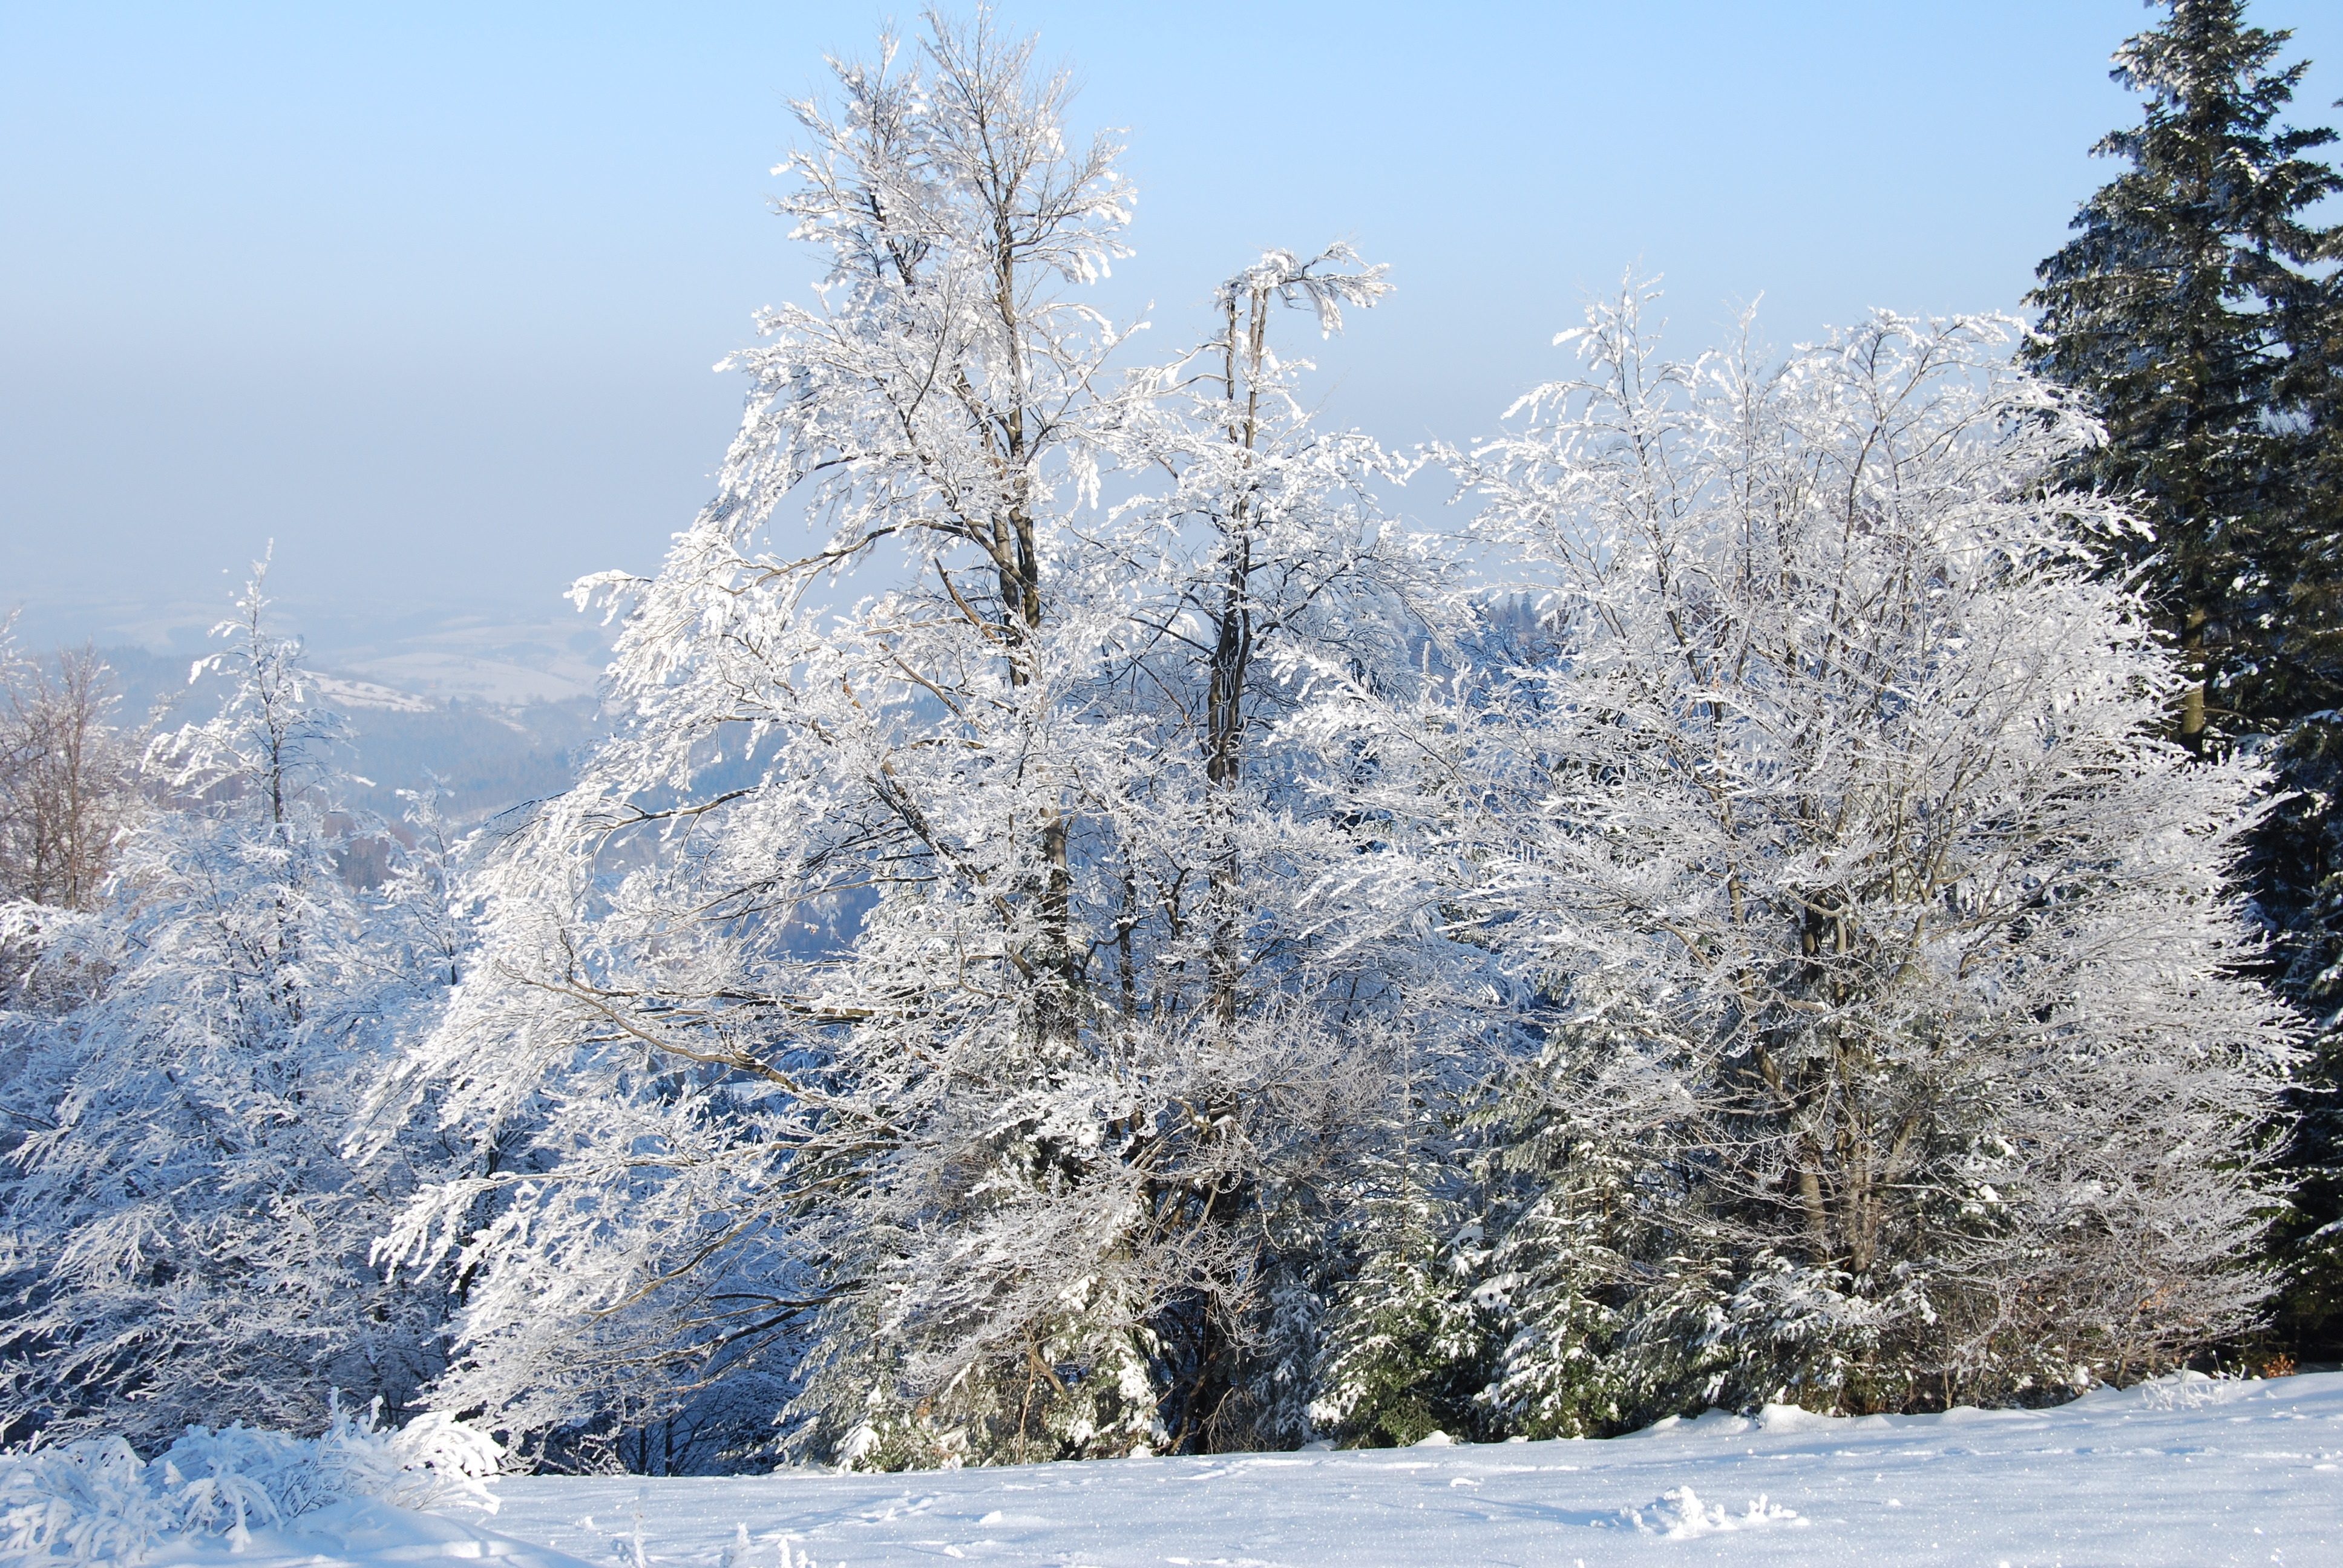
(2197, 307)
(952, 1016)
(1405, 1345)
(185, 1239)
(1900, 1052)
(66, 797)
(1294, 669)
(2187, 299)
(64, 777)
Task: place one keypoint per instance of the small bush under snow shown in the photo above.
(96, 1500)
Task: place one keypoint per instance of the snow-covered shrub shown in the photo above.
(89, 1501)
(96, 1500)
(432, 1462)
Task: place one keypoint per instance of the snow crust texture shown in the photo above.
(2181, 1471)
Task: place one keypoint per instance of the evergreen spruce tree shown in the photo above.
(1404, 1351)
(2300, 864)
(1554, 1273)
(2189, 310)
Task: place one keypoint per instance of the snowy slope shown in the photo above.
(2176, 1472)
(360, 1532)
(2187, 1472)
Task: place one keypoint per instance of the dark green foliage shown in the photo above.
(1404, 1351)
(2197, 310)
(2175, 309)
(1563, 1190)
(2300, 867)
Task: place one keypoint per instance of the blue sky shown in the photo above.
(429, 293)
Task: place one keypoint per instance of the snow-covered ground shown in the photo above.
(2176, 1472)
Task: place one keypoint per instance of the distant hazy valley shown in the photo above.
(496, 711)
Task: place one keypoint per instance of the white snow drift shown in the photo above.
(2183, 1470)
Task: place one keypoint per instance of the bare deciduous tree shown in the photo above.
(64, 778)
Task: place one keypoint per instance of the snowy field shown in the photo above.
(2174, 1472)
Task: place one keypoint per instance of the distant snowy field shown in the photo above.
(2173, 1473)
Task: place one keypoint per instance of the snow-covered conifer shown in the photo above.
(186, 1240)
(1404, 1347)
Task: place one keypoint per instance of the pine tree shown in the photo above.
(1558, 1261)
(2190, 311)
(2171, 311)
(1404, 1348)
(1404, 1351)
(2301, 861)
